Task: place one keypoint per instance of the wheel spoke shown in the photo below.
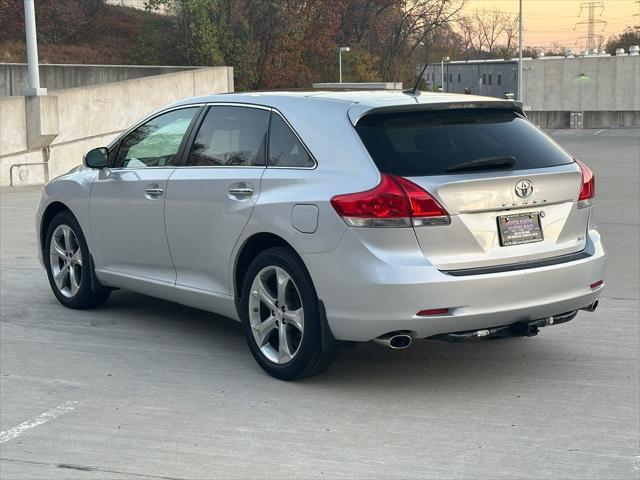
(284, 349)
(66, 231)
(61, 277)
(263, 294)
(264, 329)
(57, 249)
(282, 280)
(74, 280)
(295, 318)
(76, 258)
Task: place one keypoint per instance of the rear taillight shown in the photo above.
(395, 202)
(588, 189)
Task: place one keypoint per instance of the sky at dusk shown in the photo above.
(546, 21)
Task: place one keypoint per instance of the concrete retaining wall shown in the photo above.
(583, 84)
(550, 119)
(92, 116)
(622, 119)
(13, 76)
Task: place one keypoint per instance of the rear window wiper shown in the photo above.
(486, 162)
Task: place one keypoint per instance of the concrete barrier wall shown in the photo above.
(622, 119)
(13, 76)
(550, 119)
(92, 116)
(582, 84)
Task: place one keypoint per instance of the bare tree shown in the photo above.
(467, 35)
(491, 27)
(510, 31)
(410, 23)
(488, 33)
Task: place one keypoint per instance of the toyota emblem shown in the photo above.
(524, 188)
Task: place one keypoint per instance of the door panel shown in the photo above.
(127, 199)
(127, 220)
(210, 198)
(204, 220)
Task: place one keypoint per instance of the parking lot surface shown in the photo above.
(143, 388)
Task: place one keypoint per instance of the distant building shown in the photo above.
(586, 91)
(493, 78)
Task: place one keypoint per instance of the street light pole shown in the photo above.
(444, 59)
(340, 50)
(33, 75)
(520, 96)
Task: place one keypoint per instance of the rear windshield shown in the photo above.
(413, 144)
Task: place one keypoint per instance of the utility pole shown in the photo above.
(593, 40)
(520, 96)
(33, 73)
(637, 14)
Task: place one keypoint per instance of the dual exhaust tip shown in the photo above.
(395, 340)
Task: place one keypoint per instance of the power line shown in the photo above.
(592, 37)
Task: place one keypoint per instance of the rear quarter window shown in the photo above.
(426, 143)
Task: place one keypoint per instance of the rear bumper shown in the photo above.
(367, 295)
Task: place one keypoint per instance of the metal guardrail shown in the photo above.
(18, 165)
(47, 156)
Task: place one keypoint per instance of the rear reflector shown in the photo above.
(433, 311)
(394, 202)
(588, 189)
(595, 285)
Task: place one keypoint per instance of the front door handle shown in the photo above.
(153, 192)
(241, 192)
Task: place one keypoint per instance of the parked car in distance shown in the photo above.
(323, 219)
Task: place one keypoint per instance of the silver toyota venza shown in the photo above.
(323, 219)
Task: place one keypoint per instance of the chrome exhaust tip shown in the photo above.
(592, 307)
(394, 341)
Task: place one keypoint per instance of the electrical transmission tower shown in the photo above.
(592, 40)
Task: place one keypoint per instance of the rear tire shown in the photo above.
(69, 266)
(280, 312)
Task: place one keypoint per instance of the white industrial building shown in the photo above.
(588, 91)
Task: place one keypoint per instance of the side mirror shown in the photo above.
(96, 158)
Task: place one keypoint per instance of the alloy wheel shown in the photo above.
(65, 259)
(276, 315)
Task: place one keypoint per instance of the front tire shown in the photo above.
(68, 264)
(280, 312)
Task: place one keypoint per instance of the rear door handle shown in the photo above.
(241, 192)
(153, 192)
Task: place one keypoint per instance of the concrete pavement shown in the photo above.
(157, 390)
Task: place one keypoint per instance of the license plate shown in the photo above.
(519, 228)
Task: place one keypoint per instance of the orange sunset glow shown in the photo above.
(549, 21)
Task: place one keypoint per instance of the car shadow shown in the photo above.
(425, 364)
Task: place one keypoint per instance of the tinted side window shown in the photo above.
(231, 137)
(285, 150)
(156, 143)
(429, 142)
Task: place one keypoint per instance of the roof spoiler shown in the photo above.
(358, 110)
